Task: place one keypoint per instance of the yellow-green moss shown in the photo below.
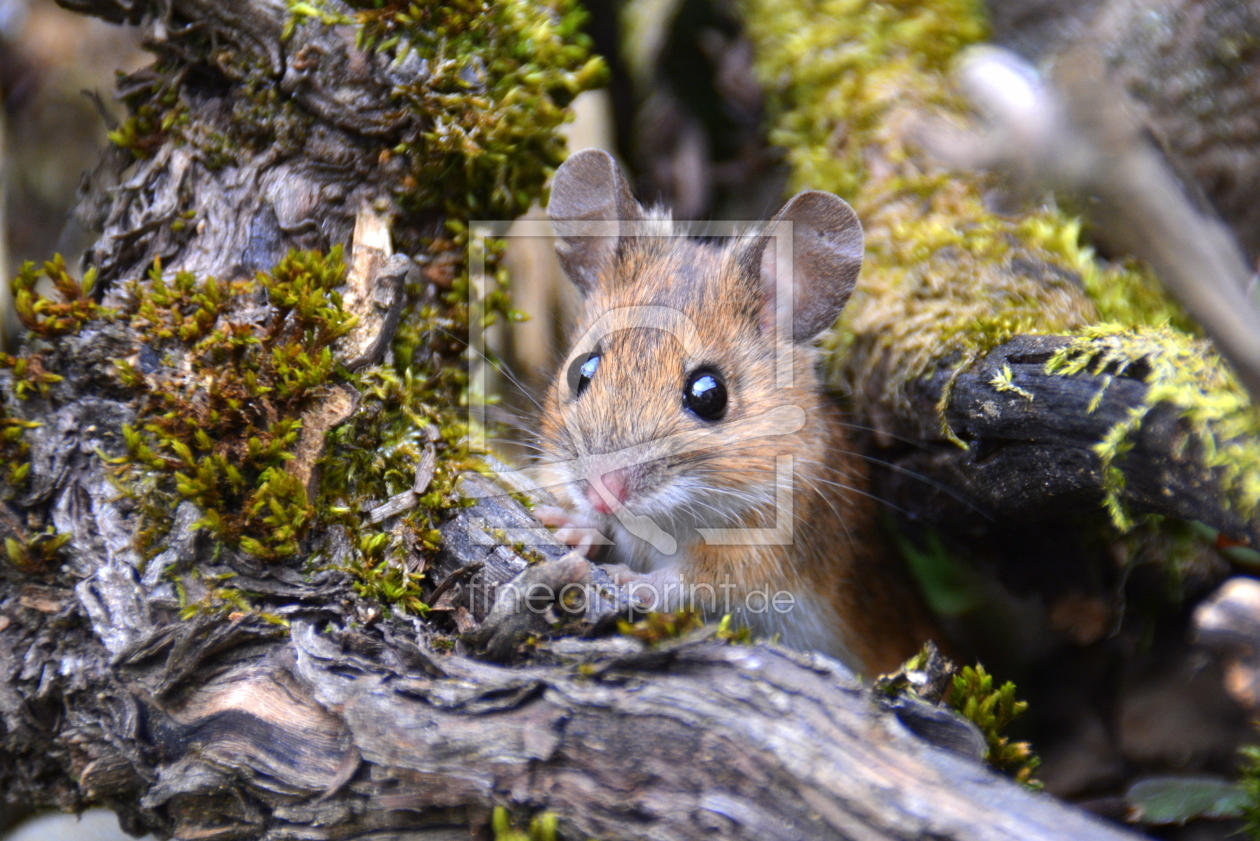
(1187, 374)
(37, 552)
(542, 827)
(500, 77)
(222, 398)
(993, 710)
(219, 429)
(62, 315)
(946, 278)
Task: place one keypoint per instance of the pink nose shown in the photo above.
(615, 492)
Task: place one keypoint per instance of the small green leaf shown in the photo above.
(1177, 799)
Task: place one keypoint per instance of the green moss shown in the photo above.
(220, 428)
(66, 314)
(542, 827)
(660, 627)
(161, 99)
(993, 710)
(1004, 381)
(1187, 374)
(15, 451)
(373, 456)
(946, 278)
(30, 376)
(1249, 779)
(37, 552)
(500, 77)
(155, 109)
(486, 87)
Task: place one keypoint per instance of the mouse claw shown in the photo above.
(570, 531)
(552, 516)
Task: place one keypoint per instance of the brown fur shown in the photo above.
(854, 600)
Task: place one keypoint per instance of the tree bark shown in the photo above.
(1031, 449)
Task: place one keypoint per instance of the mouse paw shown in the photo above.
(652, 591)
(571, 530)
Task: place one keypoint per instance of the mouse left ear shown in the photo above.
(826, 256)
(592, 211)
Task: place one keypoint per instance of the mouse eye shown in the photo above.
(581, 371)
(705, 394)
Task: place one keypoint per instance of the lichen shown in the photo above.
(947, 278)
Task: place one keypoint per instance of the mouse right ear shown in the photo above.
(590, 202)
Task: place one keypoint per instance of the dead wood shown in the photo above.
(1031, 455)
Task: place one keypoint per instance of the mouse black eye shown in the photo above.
(581, 371)
(705, 394)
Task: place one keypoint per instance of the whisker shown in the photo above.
(493, 363)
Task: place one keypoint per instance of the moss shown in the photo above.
(656, 628)
(1187, 374)
(15, 451)
(219, 428)
(30, 376)
(659, 627)
(373, 456)
(48, 318)
(37, 552)
(947, 278)
(499, 77)
(1004, 381)
(993, 711)
(1249, 780)
(161, 99)
(65, 314)
(542, 827)
(155, 109)
(222, 398)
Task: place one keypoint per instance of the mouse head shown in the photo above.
(693, 364)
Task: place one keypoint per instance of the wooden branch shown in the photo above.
(1032, 460)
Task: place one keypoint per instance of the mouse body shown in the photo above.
(689, 426)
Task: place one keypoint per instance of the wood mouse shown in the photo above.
(689, 424)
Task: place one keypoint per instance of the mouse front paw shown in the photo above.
(651, 591)
(571, 529)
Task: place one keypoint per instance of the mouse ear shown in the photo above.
(827, 245)
(590, 204)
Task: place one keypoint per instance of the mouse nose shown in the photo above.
(615, 490)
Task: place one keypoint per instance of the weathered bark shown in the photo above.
(348, 723)
(1033, 459)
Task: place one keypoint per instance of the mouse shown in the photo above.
(688, 435)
